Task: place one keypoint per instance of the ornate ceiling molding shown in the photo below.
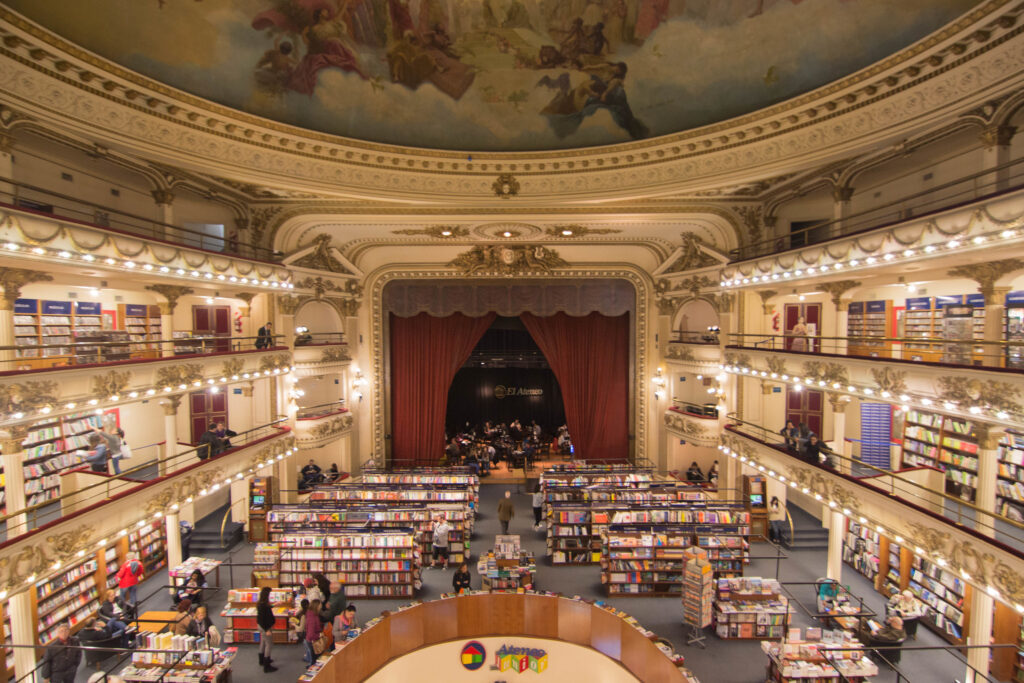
(506, 260)
(66, 85)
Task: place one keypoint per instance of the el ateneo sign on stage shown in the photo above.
(502, 391)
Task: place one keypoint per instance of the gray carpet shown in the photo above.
(722, 662)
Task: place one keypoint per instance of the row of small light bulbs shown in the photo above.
(903, 400)
(846, 512)
(866, 262)
(157, 516)
(152, 391)
(66, 255)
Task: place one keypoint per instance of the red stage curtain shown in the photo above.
(426, 352)
(590, 357)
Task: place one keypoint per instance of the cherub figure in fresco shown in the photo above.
(415, 57)
(603, 89)
(326, 46)
(275, 67)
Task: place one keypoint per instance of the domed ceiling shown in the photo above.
(495, 75)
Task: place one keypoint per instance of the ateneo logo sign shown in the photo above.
(520, 659)
(501, 391)
(473, 655)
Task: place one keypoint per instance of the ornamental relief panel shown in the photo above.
(953, 65)
(692, 429)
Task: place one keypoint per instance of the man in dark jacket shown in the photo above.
(210, 444)
(265, 336)
(62, 658)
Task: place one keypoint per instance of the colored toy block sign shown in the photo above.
(473, 655)
(520, 659)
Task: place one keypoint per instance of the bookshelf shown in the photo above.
(750, 607)
(71, 596)
(946, 598)
(507, 567)
(755, 494)
(42, 322)
(240, 615)
(286, 519)
(1018, 664)
(48, 450)
(85, 352)
(388, 493)
(369, 564)
(570, 539)
(148, 541)
(142, 324)
(178, 659)
(1010, 482)
(862, 549)
(866, 319)
(895, 558)
(268, 558)
(945, 443)
(644, 559)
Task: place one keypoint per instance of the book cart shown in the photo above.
(821, 655)
(749, 608)
(698, 592)
(507, 566)
(168, 658)
(240, 616)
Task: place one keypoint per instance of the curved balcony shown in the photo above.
(697, 424)
(319, 425)
(319, 353)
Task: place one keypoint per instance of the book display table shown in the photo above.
(179, 575)
(823, 655)
(751, 607)
(174, 665)
(240, 616)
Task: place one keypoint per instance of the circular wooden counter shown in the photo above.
(500, 614)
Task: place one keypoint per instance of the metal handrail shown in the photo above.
(150, 228)
(904, 340)
(685, 337)
(696, 406)
(243, 438)
(319, 338)
(894, 211)
(774, 440)
(307, 412)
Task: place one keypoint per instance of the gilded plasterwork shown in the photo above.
(500, 259)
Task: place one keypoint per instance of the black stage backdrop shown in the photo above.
(503, 395)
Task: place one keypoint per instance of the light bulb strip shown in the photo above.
(130, 265)
(903, 401)
(929, 251)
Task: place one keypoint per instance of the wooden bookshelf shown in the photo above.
(862, 550)
(867, 319)
(49, 449)
(945, 443)
(1010, 482)
(149, 542)
(142, 323)
(644, 559)
(368, 563)
(39, 322)
(946, 596)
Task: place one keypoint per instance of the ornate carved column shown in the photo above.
(12, 280)
(287, 305)
(839, 428)
(172, 293)
(768, 309)
(246, 313)
(837, 290)
(988, 472)
(165, 205)
(841, 196)
(995, 140)
(288, 478)
(979, 632)
(170, 406)
(14, 477)
(987, 275)
(6, 166)
(23, 631)
(836, 531)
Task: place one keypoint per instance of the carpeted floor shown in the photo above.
(721, 662)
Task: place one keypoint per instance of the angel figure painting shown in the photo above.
(502, 75)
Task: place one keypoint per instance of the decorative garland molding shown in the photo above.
(955, 68)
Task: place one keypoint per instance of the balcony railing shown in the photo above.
(966, 353)
(898, 484)
(319, 338)
(22, 520)
(322, 410)
(683, 337)
(706, 411)
(88, 353)
(40, 201)
(968, 188)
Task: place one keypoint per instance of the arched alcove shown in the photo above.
(696, 315)
(318, 316)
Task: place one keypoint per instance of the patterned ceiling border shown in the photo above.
(69, 86)
(644, 355)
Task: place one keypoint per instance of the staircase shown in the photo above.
(807, 531)
(206, 538)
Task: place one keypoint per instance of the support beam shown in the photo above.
(23, 632)
(836, 530)
(173, 533)
(979, 632)
(170, 406)
(14, 478)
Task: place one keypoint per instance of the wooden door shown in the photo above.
(206, 407)
(805, 406)
(213, 321)
(811, 313)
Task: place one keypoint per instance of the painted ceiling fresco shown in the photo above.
(494, 74)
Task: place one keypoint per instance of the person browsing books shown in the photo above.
(461, 578)
(439, 541)
(343, 623)
(506, 511)
(265, 621)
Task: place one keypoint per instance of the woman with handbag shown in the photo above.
(314, 632)
(265, 620)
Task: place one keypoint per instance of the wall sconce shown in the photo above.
(301, 329)
(659, 383)
(357, 385)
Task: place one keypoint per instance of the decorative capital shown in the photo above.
(110, 384)
(986, 274)
(997, 136)
(179, 376)
(172, 293)
(321, 257)
(836, 401)
(507, 260)
(16, 435)
(247, 297)
(691, 255)
(13, 279)
(837, 289)
(170, 404)
(766, 294)
(287, 304)
(506, 186)
(319, 286)
(666, 306)
(888, 379)
(842, 193)
(163, 197)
